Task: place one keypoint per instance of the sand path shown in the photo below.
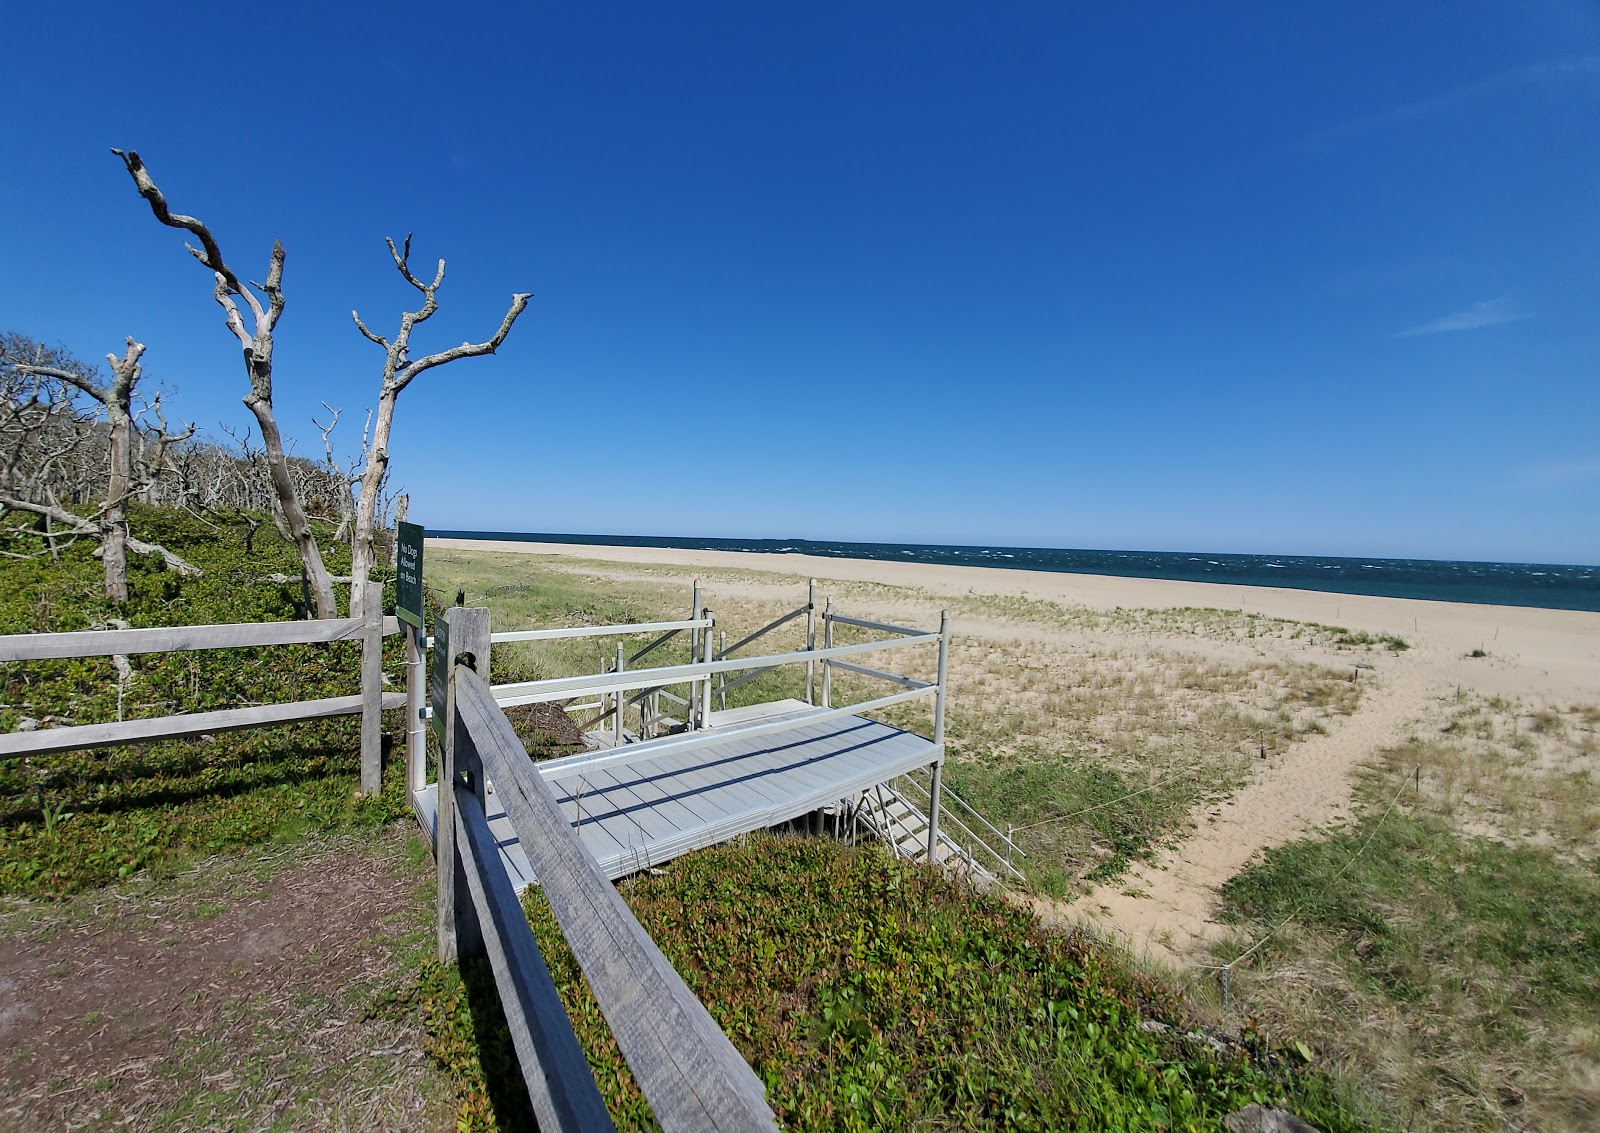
(1163, 909)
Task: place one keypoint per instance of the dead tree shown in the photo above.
(398, 371)
(258, 366)
(117, 398)
(111, 520)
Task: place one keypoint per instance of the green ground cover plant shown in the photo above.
(79, 819)
(872, 994)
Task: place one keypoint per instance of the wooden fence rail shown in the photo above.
(689, 1072)
(370, 702)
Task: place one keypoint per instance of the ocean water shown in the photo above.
(1552, 586)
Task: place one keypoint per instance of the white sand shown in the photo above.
(1532, 651)
(1550, 656)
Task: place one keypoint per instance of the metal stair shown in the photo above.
(902, 825)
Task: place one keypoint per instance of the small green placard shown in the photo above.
(408, 574)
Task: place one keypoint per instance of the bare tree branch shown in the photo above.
(212, 256)
(376, 340)
(258, 348)
(519, 303)
(79, 526)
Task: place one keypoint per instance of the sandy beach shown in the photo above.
(1520, 660)
(1533, 651)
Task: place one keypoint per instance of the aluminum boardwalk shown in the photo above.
(646, 803)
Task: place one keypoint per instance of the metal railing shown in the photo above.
(698, 624)
(1002, 862)
(689, 1072)
(724, 650)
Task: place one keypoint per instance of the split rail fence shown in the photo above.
(689, 1072)
(369, 703)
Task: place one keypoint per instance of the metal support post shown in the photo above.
(938, 734)
(722, 651)
(705, 694)
(811, 640)
(827, 662)
(416, 684)
(694, 612)
(622, 699)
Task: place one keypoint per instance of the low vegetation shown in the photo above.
(1446, 945)
(79, 819)
(1437, 957)
(870, 994)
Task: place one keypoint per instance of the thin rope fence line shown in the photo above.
(1099, 806)
(1248, 952)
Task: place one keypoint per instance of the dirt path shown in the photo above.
(1163, 909)
(243, 994)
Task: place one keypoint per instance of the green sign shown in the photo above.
(408, 574)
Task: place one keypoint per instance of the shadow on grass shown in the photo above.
(164, 781)
(502, 1073)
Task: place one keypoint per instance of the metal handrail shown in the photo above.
(596, 631)
(995, 854)
(560, 688)
(908, 682)
(881, 627)
(727, 686)
(743, 641)
(629, 702)
(945, 790)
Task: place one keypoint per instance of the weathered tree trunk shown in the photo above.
(114, 519)
(294, 514)
(258, 364)
(362, 552)
(402, 508)
(398, 370)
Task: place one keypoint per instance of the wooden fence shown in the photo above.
(690, 1074)
(370, 702)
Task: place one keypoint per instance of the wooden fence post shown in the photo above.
(372, 692)
(466, 633)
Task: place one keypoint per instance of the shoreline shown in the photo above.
(1531, 649)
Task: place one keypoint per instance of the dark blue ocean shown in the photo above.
(1549, 585)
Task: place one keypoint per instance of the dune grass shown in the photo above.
(1449, 952)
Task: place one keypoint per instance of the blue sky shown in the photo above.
(1235, 277)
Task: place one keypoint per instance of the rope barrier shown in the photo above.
(1099, 806)
(1226, 969)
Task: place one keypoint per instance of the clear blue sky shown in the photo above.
(1232, 277)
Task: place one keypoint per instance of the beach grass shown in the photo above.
(1447, 942)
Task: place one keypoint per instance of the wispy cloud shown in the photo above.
(1536, 75)
(1558, 474)
(1483, 313)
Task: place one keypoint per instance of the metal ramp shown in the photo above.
(646, 803)
(639, 798)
